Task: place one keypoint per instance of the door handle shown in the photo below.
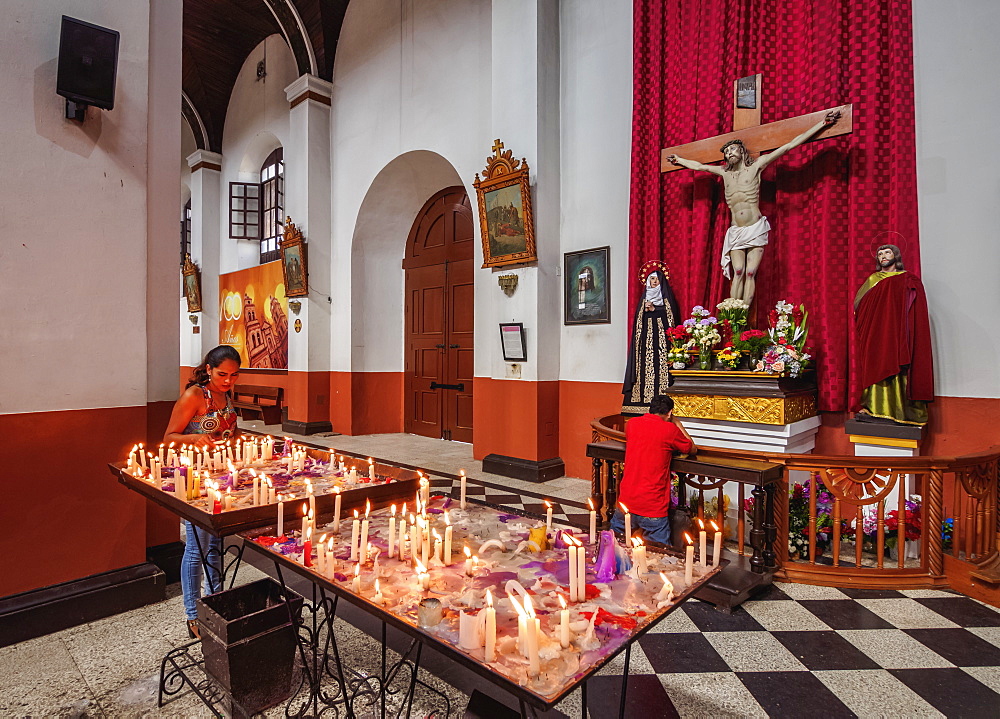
(440, 346)
(455, 347)
(460, 386)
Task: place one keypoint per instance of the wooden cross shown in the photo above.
(756, 137)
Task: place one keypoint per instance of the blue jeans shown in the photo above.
(192, 586)
(656, 529)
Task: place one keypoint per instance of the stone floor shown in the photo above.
(795, 651)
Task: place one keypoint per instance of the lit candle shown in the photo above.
(378, 594)
(447, 539)
(371, 468)
(461, 479)
(581, 571)
(688, 561)
(312, 500)
(639, 555)
(281, 516)
(548, 516)
(356, 584)
(171, 455)
(628, 522)
(402, 533)
(270, 490)
(437, 547)
(336, 509)
(305, 518)
(425, 491)
(392, 532)
(423, 578)
(563, 623)
(355, 535)
(533, 632)
(217, 501)
(256, 491)
(331, 558)
(468, 561)
(491, 629)
(593, 521)
(162, 460)
(572, 569)
(717, 545)
(363, 544)
(702, 544)
(414, 538)
(321, 555)
(307, 548)
(229, 498)
(522, 624)
(668, 589)
(425, 540)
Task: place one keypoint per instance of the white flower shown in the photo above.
(783, 307)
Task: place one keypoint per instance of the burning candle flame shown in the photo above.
(700, 522)
(562, 601)
(517, 605)
(468, 552)
(489, 598)
(368, 507)
(590, 503)
(715, 527)
(624, 508)
(447, 519)
(687, 538)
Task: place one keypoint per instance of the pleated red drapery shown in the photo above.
(826, 201)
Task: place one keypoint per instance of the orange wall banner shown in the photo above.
(253, 315)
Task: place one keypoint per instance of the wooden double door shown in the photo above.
(439, 318)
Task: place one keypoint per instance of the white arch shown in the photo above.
(378, 245)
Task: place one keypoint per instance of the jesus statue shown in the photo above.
(745, 240)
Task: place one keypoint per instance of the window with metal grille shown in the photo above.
(186, 231)
(272, 218)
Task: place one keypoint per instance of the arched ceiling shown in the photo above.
(218, 36)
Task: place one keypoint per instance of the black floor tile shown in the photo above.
(824, 650)
(854, 593)
(793, 694)
(708, 619)
(959, 646)
(845, 614)
(673, 653)
(645, 698)
(771, 593)
(951, 691)
(963, 611)
(503, 499)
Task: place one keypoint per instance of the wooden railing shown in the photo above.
(849, 517)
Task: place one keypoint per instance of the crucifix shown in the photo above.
(741, 151)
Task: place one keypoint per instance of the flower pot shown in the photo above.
(705, 358)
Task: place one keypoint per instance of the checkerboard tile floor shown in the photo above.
(799, 650)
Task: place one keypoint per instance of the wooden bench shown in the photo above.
(256, 401)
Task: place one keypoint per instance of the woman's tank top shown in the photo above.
(219, 423)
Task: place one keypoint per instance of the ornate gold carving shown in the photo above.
(758, 410)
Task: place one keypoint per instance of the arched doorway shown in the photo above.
(439, 318)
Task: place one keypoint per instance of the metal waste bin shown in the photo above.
(249, 643)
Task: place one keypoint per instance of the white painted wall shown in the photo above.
(256, 124)
(955, 50)
(73, 264)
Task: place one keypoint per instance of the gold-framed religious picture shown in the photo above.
(293, 261)
(505, 210)
(586, 292)
(192, 284)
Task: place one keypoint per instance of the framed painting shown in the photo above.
(192, 284)
(293, 261)
(505, 210)
(587, 287)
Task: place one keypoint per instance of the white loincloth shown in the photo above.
(743, 238)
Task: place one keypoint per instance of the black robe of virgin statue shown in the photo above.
(647, 373)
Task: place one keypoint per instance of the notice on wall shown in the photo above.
(253, 315)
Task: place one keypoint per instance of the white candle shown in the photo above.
(447, 539)
(392, 532)
(437, 547)
(425, 540)
(468, 561)
(688, 562)
(702, 544)
(522, 624)
(581, 572)
(402, 534)
(628, 523)
(668, 589)
(305, 518)
(593, 521)
(321, 555)
(461, 479)
(371, 468)
(256, 492)
(716, 546)
(312, 501)
(363, 544)
(378, 594)
(533, 632)
(491, 629)
(355, 535)
(425, 491)
(639, 555)
(563, 624)
(548, 517)
(281, 516)
(229, 498)
(162, 460)
(336, 509)
(572, 570)
(331, 558)
(414, 538)
(356, 584)
(468, 624)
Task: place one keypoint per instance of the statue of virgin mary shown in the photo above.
(647, 373)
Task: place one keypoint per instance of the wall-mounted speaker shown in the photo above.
(88, 66)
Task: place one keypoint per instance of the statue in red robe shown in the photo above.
(894, 344)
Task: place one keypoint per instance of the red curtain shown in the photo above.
(826, 201)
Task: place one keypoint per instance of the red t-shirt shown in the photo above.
(650, 441)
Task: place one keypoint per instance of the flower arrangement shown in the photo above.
(729, 356)
(752, 342)
(735, 311)
(702, 327)
(798, 517)
(911, 521)
(678, 357)
(788, 333)
(679, 336)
